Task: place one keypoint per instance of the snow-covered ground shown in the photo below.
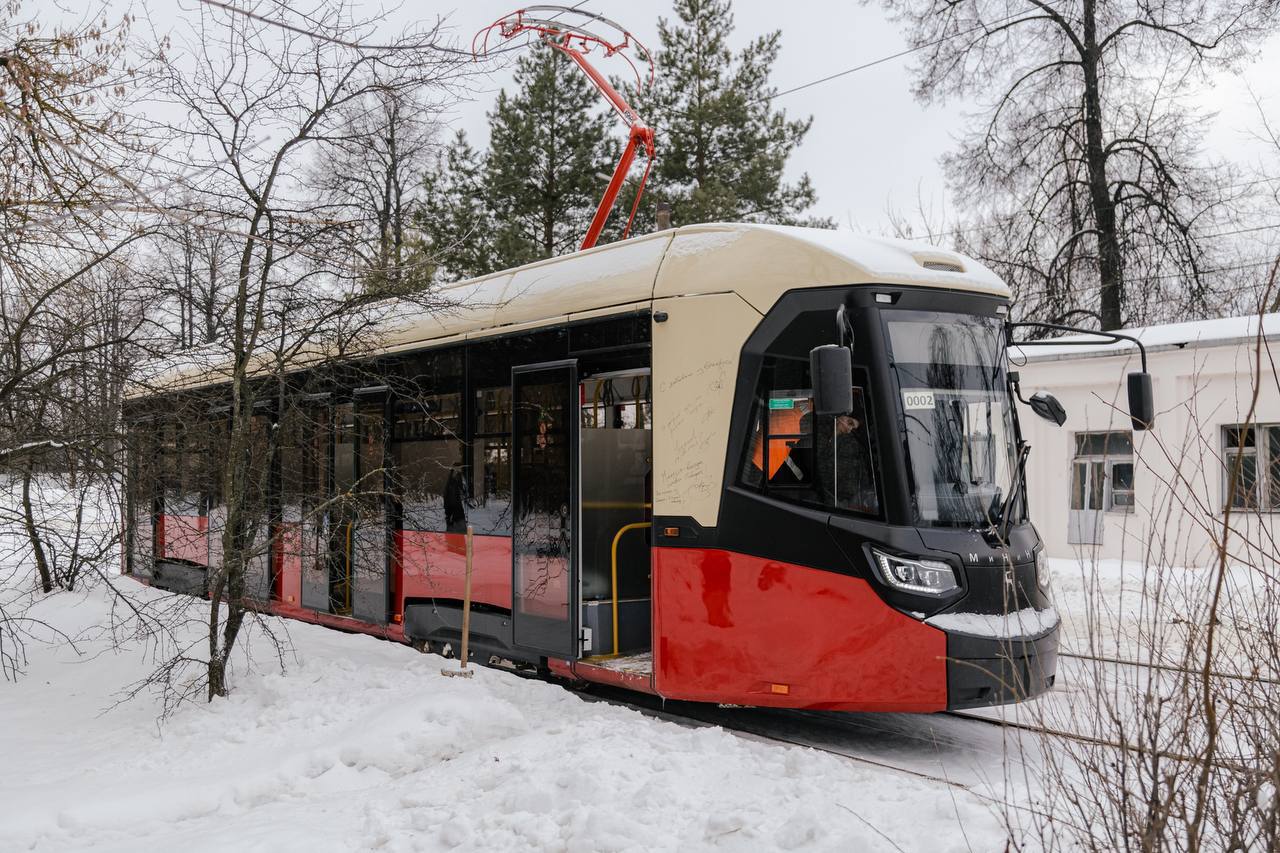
(1148, 613)
(362, 744)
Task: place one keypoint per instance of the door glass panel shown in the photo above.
(544, 570)
(304, 490)
(369, 539)
(258, 578)
(342, 530)
(306, 478)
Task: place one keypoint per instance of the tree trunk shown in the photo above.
(33, 534)
(217, 678)
(1110, 262)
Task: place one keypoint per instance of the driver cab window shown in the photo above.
(794, 455)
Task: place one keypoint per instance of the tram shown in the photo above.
(726, 463)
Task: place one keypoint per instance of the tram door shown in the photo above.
(369, 540)
(307, 500)
(545, 595)
(358, 528)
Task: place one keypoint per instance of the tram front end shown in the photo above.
(874, 548)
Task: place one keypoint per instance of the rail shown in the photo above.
(613, 573)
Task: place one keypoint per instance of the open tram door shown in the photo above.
(544, 505)
(616, 448)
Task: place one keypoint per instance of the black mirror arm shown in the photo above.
(1015, 383)
(1115, 337)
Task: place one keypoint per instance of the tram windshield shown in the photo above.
(956, 410)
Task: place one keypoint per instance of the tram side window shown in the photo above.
(491, 462)
(143, 488)
(205, 448)
(260, 450)
(795, 455)
(145, 468)
(430, 482)
(182, 463)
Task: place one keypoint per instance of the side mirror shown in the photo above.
(1047, 406)
(1142, 407)
(831, 367)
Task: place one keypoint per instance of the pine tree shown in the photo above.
(722, 148)
(549, 145)
(533, 193)
(455, 215)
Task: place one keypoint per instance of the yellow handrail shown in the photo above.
(613, 573)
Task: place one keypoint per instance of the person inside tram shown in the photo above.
(841, 470)
(844, 454)
(830, 464)
(455, 500)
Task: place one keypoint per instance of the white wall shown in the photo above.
(1179, 489)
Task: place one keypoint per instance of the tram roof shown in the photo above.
(758, 262)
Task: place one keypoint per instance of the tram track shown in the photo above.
(734, 720)
(788, 726)
(709, 716)
(1164, 667)
(702, 715)
(1095, 740)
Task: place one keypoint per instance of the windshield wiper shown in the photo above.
(1019, 483)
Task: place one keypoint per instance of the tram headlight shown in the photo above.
(925, 577)
(1043, 577)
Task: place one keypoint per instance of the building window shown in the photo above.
(1256, 449)
(1102, 476)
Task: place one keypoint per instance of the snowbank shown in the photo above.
(361, 744)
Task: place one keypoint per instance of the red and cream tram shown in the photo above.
(660, 500)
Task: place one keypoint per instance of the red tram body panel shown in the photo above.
(738, 629)
(183, 537)
(433, 565)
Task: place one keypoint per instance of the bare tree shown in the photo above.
(1085, 178)
(370, 170)
(186, 266)
(263, 97)
(1170, 737)
(68, 169)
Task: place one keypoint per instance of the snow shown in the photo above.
(1021, 624)
(888, 259)
(361, 744)
(641, 664)
(1219, 332)
(701, 242)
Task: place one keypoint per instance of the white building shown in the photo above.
(1096, 486)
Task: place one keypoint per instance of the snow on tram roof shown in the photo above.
(758, 262)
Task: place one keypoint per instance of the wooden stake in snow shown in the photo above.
(466, 616)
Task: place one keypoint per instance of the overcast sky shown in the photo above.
(872, 146)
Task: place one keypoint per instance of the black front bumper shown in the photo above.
(985, 671)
